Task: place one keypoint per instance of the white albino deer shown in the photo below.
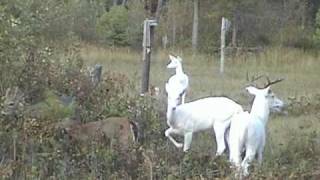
(248, 130)
(180, 80)
(202, 114)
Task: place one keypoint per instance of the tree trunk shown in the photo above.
(195, 24)
(304, 14)
(159, 8)
(174, 30)
(124, 2)
(115, 2)
(234, 29)
(223, 43)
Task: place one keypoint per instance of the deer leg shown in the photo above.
(260, 155)
(187, 141)
(220, 129)
(183, 97)
(247, 160)
(168, 135)
(235, 156)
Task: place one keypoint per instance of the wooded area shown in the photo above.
(119, 23)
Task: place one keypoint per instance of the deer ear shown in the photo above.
(179, 58)
(171, 57)
(252, 90)
(7, 92)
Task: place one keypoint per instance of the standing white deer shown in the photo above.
(199, 115)
(248, 130)
(180, 81)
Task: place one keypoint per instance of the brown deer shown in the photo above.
(121, 128)
(15, 106)
(13, 102)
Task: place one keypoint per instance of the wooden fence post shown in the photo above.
(148, 32)
(96, 74)
(225, 24)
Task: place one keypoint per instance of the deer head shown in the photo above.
(175, 61)
(13, 100)
(265, 92)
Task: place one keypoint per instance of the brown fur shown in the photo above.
(13, 102)
(120, 128)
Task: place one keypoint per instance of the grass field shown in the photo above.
(33, 149)
(300, 69)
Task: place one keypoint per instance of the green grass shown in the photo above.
(293, 143)
(300, 69)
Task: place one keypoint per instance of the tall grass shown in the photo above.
(300, 69)
(32, 148)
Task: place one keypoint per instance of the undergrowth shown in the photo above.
(32, 148)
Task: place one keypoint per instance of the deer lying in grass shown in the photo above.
(180, 80)
(121, 128)
(202, 114)
(13, 102)
(14, 99)
(14, 105)
(248, 130)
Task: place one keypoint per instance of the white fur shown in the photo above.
(248, 130)
(199, 115)
(180, 81)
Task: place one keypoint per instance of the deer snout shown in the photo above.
(278, 106)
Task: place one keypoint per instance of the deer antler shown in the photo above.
(253, 78)
(269, 83)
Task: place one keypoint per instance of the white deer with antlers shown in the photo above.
(199, 115)
(248, 130)
(180, 81)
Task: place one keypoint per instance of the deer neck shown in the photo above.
(260, 109)
(179, 69)
(170, 114)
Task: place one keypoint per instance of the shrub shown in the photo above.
(113, 26)
(316, 35)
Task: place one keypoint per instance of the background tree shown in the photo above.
(113, 26)
(316, 36)
(195, 25)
